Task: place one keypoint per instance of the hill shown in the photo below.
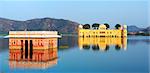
(134, 30)
(52, 24)
(38, 24)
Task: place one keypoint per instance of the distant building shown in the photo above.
(102, 32)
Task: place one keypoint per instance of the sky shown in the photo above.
(129, 12)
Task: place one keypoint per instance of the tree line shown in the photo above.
(96, 26)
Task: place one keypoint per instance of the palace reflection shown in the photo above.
(102, 43)
(38, 53)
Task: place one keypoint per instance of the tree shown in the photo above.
(107, 48)
(95, 26)
(117, 47)
(86, 46)
(95, 47)
(117, 26)
(107, 25)
(86, 26)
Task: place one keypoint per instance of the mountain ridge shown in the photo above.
(133, 28)
(51, 24)
(38, 24)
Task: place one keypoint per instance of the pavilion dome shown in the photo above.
(102, 26)
(80, 26)
(125, 26)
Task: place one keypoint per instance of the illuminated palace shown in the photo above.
(102, 43)
(32, 49)
(102, 32)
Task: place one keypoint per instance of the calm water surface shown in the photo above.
(85, 55)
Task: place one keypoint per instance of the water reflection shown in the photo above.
(3, 45)
(83, 60)
(32, 53)
(102, 43)
(67, 42)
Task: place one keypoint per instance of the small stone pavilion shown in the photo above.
(31, 48)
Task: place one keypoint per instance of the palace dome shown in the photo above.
(80, 26)
(102, 26)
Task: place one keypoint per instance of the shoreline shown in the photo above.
(75, 34)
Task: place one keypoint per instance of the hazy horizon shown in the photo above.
(111, 12)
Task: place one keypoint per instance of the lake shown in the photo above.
(76, 54)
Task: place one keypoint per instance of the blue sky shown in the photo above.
(131, 12)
